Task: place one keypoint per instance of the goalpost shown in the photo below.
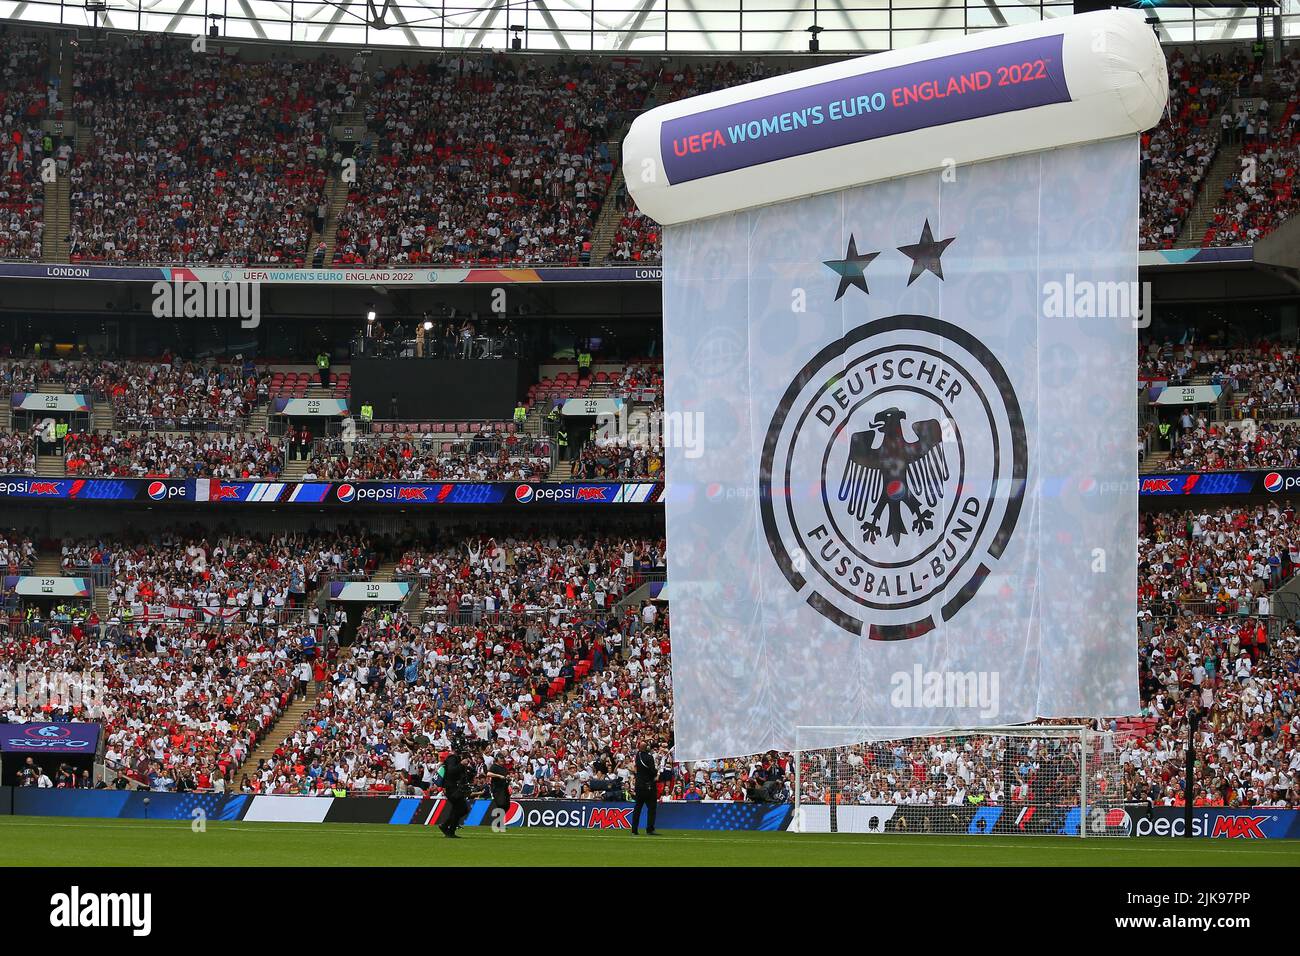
(1050, 779)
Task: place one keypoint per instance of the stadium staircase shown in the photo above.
(51, 466)
(260, 421)
(6, 417)
(293, 470)
(417, 601)
(336, 198)
(286, 722)
(1155, 461)
(101, 417)
(336, 190)
(49, 562)
(57, 220)
(101, 603)
(1226, 162)
(611, 212)
(57, 217)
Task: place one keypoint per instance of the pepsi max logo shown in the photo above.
(1272, 481)
(345, 492)
(524, 494)
(159, 490)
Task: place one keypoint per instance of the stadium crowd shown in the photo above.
(200, 159)
(180, 707)
(1229, 557)
(24, 96)
(1223, 446)
(178, 395)
(487, 456)
(228, 455)
(192, 574)
(1177, 154)
(477, 158)
(486, 159)
(523, 652)
(1260, 194)
(17, 454)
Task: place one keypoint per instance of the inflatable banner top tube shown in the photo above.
(1015, 90)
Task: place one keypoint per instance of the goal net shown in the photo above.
(1061, 780)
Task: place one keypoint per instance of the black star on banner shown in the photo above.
(925, 254)
(851, 269)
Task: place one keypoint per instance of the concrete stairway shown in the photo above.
(284, 725)
(1155, 461)
(259, 421)
(102, 418)
(336, 190)
(57, 217)
(611, 213)
(293, 470)
(602, 234)
(57, 220)
(49, 564)
(51, 466)
(1226, 163)
(336, 200)
(385, 571)
(101, 603)
(417, 602)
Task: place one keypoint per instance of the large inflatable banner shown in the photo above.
(901, 292)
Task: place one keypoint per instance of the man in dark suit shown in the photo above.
(645, 774)
(456, 781)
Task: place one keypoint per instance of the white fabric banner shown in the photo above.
(916, 505)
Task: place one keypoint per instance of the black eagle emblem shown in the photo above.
(893, 473)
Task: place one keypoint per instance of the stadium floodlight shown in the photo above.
(813, 44)
(516, 42)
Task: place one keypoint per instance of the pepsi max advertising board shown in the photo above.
(1220, 483)
(204, 491)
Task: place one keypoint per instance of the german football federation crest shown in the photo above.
(892, 475)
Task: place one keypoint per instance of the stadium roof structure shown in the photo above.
(625, 26)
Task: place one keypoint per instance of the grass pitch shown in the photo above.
(55, 841)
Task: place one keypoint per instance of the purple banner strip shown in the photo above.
(1000, 79)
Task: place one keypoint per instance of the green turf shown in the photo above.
(53, 841)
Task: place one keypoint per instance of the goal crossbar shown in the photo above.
(1028, 778)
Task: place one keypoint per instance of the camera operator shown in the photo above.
(457, 779)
